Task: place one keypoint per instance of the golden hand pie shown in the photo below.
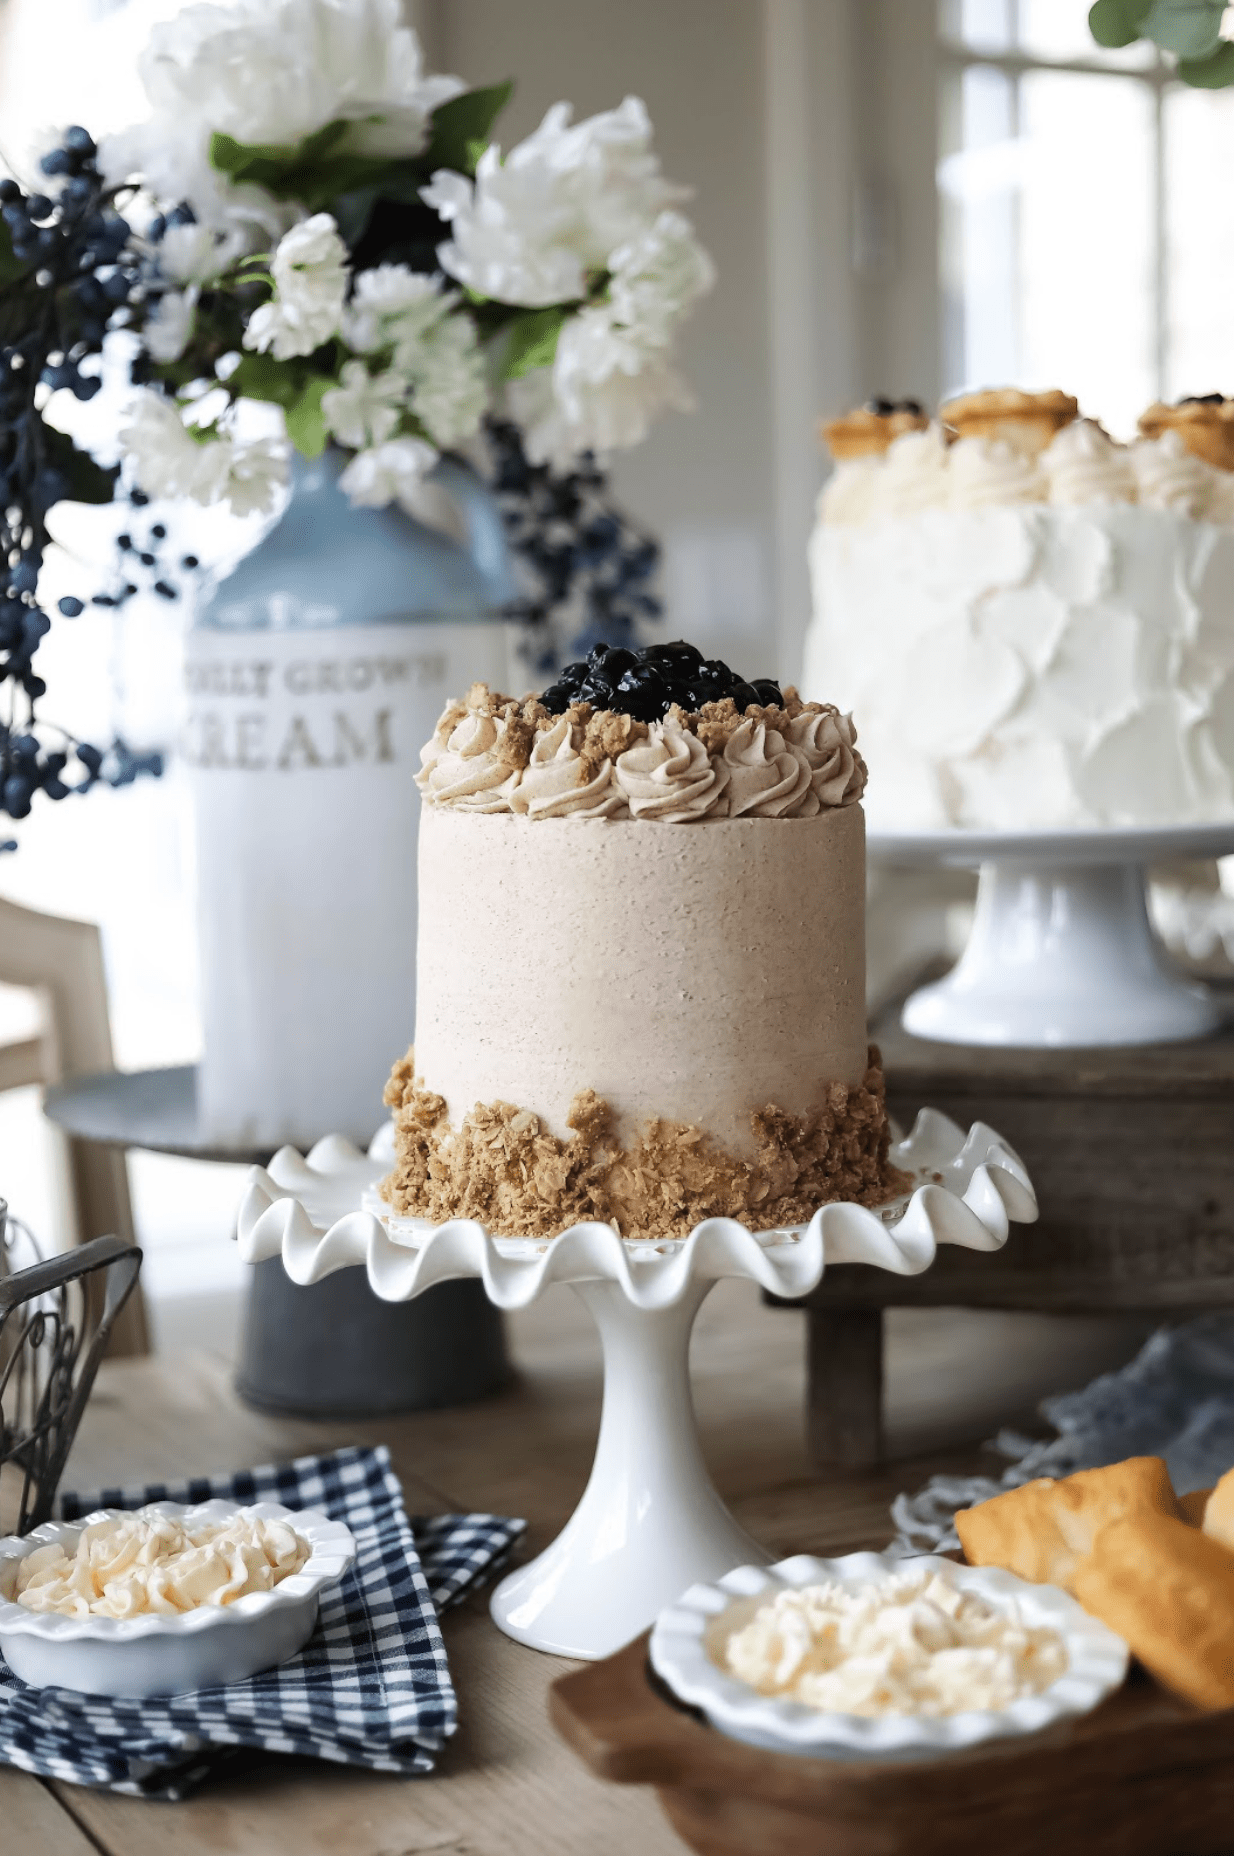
(1043, 1530)
(1168, 1590)
(1192, 1506)
(1218, 1517)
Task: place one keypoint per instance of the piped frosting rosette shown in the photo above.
(1181, 462)
(490, 754)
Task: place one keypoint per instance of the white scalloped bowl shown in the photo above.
(157, 1654)
(688, 1640)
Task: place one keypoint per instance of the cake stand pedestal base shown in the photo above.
(650, 1522)
(1061, 953)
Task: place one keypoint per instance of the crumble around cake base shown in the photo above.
(506, 1170)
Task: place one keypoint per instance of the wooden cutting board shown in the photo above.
(1142, 1775)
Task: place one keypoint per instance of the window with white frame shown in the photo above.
(1087, 221)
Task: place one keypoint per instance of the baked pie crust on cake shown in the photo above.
(868, 430)
(640, 972)
(1205, 426)
(1026, 421)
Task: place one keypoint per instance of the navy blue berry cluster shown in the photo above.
(647, 683)
(579, 553)
(68, 273)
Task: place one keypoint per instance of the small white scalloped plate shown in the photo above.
(688, 1639)
(156, 1654)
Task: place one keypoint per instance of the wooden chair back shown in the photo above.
(61, 961)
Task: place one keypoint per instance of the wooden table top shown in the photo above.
(506, 1785)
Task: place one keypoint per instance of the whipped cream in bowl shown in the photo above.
(872, 1657)
(167, 1598)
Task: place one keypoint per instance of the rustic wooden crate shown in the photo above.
(1131, 1152)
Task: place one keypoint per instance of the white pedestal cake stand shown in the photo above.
(650, 1522)
(1061, 951)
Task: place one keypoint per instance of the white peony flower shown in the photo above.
(167, 330)
(276, 70)
(613, 371)
(256, 471)
(659, 276)
(389, 473)
(365, 409)
(534, 227)
(392, 302)
(173, 163)
(273, 71)
(605, 388)
(442, 363)
(168, 461)
(434, 349)
(194, 254)
(310, 283)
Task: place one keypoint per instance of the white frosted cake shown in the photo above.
(640, 964)
(1036, 625)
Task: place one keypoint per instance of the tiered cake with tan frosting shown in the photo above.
(641, 959)
(1035, 624)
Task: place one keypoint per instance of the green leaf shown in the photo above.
(1114, 23)
(1213, 73)
(296, 386)
(314, 171)
(306, 424)
(261, 377)
(88, 481)
(1189, 28)
(352, 212)
(462, 125)
(266, 161)
(531, 339)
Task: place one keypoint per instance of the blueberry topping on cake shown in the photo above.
(646, 684)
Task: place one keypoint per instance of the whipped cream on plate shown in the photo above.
(148, 1561)
(913, 1644)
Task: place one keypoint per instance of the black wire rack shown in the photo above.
(56, 1316)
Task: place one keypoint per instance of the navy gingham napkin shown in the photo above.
(370, 1688)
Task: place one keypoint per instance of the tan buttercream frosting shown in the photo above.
(646, 1026)
(491, 753)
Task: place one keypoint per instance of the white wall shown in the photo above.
(768, 109)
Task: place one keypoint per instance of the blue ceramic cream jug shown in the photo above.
(315, 672)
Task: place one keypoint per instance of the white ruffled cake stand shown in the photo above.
(650, 1523)
(1061, 952)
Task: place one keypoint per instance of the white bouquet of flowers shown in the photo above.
(333, 231)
